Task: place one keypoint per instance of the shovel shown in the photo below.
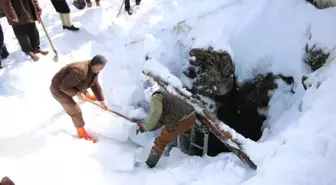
(51, 43)
(134, 120)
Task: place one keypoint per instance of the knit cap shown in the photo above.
(150, 86)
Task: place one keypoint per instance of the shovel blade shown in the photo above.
(55, 58)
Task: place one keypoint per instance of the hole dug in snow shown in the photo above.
(242, 106)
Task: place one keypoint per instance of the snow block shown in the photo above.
(153, 66)
(142, 139)
(95, 20)
(153, 46)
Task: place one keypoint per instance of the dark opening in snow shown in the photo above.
(241, 106)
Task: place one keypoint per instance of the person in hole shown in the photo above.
(22, 14)
(73, 80)
(168, 111)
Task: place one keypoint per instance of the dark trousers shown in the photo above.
(61, 6)
(127, 4)
(28, 37)
(3, 50)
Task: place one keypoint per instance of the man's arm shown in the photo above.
(156, 112)
(73, 78)
(97, 91)
(7, 7)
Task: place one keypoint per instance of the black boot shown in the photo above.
(153, 159)
(4, 52)
(73, 28)
(65, 27)
(137, 3)
(129, 11)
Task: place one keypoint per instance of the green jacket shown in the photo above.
(153, 123)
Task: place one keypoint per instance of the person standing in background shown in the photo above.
(62, 7)
(21, 15)
(3, 50)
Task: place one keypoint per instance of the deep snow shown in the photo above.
(299, 148)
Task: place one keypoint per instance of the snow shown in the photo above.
(298, 148)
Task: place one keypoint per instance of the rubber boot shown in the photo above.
(129, 11)
(4, 52)
(82, 134)
(153, 159)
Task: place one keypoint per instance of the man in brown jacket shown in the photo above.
(75, 79)
(22, 14)
(176, 115)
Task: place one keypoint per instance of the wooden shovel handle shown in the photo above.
(114, 112)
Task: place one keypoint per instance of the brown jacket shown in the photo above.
(76, 77)
(21, 11)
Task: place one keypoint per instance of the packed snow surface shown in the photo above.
(37, 146)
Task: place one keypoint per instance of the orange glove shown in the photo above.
(82, 134)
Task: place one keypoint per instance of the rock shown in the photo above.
(315, 57)
(322, 4)
(211, 70)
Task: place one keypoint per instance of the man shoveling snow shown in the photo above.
(75, 79)
(169, 111)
